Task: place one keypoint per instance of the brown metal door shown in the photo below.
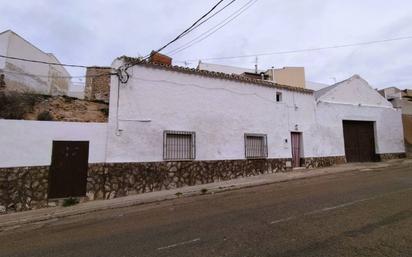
(359, 141)
(295, 141)
(68, 170)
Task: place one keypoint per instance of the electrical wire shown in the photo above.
(303, 50)
(122, 73)
(214, 14)
(49, 63)
(202, 87)
(62, 77)
(186, 31)
(215, 28)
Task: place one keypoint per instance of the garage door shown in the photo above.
(359, 141)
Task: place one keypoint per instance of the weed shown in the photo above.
(70, 201)
(14, 105)
(45, 115)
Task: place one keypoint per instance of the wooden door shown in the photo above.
(296, 148)
(359, 141)
(68, 170)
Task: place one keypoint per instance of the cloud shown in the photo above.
(96, 32)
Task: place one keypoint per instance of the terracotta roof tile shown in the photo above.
(213, 74)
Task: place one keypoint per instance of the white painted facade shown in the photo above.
(355, 99)
(221, 111)
(29, 76)
(29, 143)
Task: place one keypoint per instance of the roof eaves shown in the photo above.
(213, 74)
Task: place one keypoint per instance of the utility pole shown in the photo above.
(256, 64)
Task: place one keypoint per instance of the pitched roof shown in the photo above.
(212, 74)
(325, 90)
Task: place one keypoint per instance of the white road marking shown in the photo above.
(339, 206)
(283, 220)
(179, 244)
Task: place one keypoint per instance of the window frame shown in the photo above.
(192, 145)
(265, 145)
(278, 95)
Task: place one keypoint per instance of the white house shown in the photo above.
(172, 126)
(218, 115)
(29, 76)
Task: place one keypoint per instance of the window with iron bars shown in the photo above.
(179, 145)
(256, 146)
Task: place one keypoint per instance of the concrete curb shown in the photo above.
(16, 220)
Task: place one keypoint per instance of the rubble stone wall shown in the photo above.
(390, 156)
(23, 188)
(319, 162)
(110, 180)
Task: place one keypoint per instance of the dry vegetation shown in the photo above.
(26, 106)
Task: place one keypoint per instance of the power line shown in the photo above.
(49, 76)
(214, 29)
(124, 76)
(214, 14)
(304, 50)
(44, 62)
(186, 31)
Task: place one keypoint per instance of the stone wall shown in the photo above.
(97, 84)
(319, 162)
(390, 156)
(23, 188)
(110, 180)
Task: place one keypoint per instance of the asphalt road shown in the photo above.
(362, 213)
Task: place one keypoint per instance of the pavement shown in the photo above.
(16, 220)
(345, 211)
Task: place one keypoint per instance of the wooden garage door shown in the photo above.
(359, 141)
(68, 170)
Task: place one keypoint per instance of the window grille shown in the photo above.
(256, 146)
(179, 145)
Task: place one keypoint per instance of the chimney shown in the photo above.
(159, 58)
(97, 85)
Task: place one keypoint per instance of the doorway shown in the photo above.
(296, 142)
(68, 170)
(359, 141)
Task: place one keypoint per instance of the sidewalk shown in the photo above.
(15, 220)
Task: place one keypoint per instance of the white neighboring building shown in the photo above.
(28, 76)
(290, 76)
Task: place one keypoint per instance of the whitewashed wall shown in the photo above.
(29, 143)
(355, 99)
(219, 111)
(329, 132)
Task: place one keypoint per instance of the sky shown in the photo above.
(95, 32)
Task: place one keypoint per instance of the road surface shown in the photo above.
(359, 213)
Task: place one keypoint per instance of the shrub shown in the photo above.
(105, 111)
(70, 201)
(14, 105)
(45, 115)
